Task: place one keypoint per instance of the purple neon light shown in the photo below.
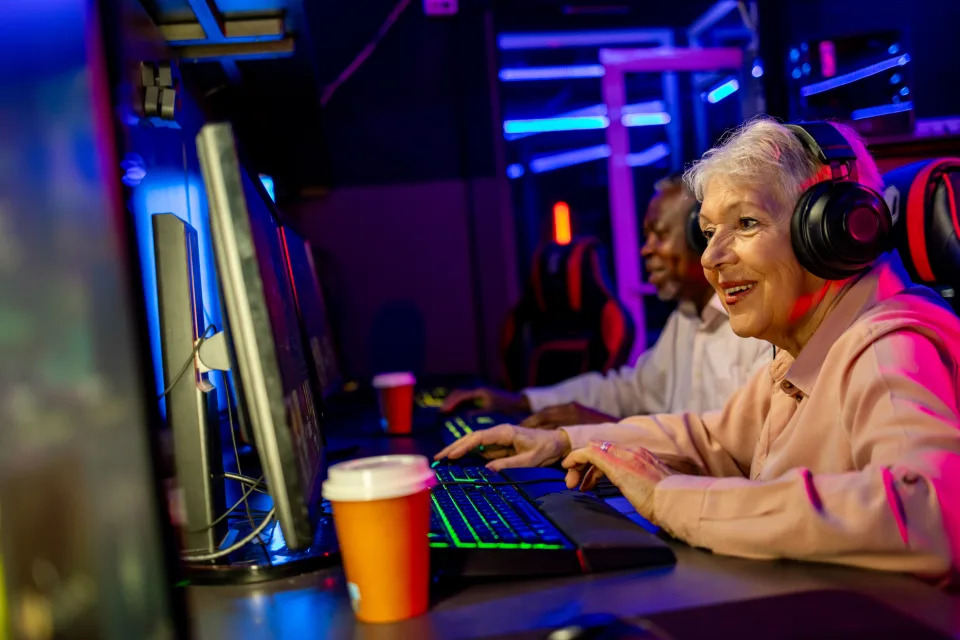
(587, 154)
(881, 110)
(569, 158)
(648, 156)
(853, 76)
(520, 74)
(582, 38)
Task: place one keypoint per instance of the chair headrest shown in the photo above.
(569, 278)
(924, 199)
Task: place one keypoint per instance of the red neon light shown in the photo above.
(561, 223)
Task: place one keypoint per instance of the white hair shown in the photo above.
(764, 154)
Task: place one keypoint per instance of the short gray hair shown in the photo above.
(764, 154)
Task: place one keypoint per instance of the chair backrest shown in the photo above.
(568, 321)
(924, 198)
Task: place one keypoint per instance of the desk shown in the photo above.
(316, 605)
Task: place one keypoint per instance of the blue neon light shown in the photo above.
(757, 70)
(582, 38)
(588, 154)
(644, 119)
(552, 73)
(853, 76)
(267, 182)
(882, 110)
(721, 91)
(541, 125)
(514, 171)
(569, 158)
(648, 156)
(649, 107)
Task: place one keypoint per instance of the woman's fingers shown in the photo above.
(607, 459)
(499, 435)
(525, 459)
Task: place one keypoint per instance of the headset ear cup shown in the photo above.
(696, 241)
(799, 230)
(826, 229)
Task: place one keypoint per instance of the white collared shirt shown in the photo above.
(695, 365)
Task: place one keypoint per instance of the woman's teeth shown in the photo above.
(734, 290)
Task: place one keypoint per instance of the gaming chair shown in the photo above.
(924, 199)
(568, 321)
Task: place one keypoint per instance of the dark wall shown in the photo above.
(395, 263)
(419, 108)
(414, 237)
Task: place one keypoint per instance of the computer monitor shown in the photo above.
(267, 355)
(313, 313)
(190, 406)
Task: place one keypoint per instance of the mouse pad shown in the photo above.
(809, 615)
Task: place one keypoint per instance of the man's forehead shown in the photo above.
(673, 208)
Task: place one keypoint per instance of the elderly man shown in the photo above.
(694, 366)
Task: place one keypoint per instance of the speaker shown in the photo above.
(839, 226)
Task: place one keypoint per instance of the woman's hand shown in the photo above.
(633, 469)
(486, 398)
(511, 446)
(565, 415)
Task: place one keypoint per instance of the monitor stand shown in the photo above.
(256, 562)
(266, 557)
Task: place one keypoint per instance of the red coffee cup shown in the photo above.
(395, 395)
(381, 510)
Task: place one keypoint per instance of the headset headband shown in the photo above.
(828, 145)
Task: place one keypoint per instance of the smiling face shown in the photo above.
(751, 264)
(672, 267)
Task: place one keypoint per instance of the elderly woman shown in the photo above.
(847, 448)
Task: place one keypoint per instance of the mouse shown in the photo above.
(602, 626)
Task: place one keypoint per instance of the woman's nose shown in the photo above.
(719, 251)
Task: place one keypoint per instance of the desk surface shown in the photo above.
(316, 605)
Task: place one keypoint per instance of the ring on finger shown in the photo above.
(605, 446)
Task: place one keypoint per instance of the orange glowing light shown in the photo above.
(561, 223)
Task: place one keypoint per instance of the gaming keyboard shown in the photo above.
(525, 522)
(454, 427)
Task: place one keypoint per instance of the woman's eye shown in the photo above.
(707, 233)
(747, 223)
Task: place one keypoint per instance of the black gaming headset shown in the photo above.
(695, 238)
(839, 226)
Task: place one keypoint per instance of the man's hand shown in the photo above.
(565, 415)
(487, 398)
(633, 469)
(510, 446)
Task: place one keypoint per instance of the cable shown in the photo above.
(365, 53)
(256, 483)
(237, 545)
(227, 513)
(239, 475)
(186, 365)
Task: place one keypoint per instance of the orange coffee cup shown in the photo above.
(381, 511)
(395, 395)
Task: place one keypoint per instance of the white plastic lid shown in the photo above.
(394, 379)
(378, 478)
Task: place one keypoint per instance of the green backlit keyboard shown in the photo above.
(525, 522)
(471, 515)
